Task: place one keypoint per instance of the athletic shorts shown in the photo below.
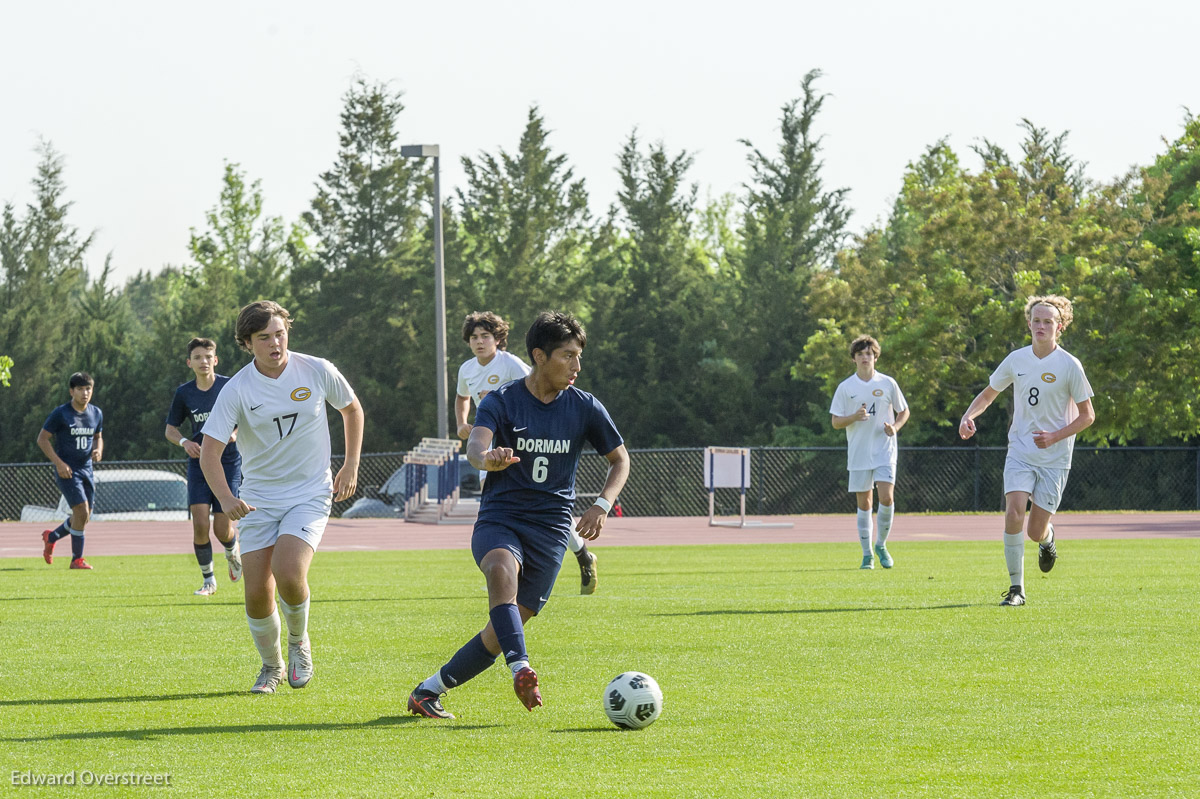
(539, 549)
(865, 479)
(79, 487)
(1044, 485)
(261, 527)
(199, 492)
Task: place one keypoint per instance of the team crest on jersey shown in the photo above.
(878, 392)
(1048, 377)
(302, 393)
(493, 379)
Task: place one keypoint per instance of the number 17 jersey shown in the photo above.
(1046, 393)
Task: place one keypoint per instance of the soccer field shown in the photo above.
(786, 671)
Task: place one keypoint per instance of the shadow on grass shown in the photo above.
(224, 729)
(205, 602)
(815, 610)
(14, 569)
(590, 729)
(99, 700)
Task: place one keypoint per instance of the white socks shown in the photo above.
(574, 542)
(864, 531)
(266, 638)
(885, 522)
(1014, 556)
(297, 620)
(434, 684)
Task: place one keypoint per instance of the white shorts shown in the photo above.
(865, 479)
(261, 527)
(1044, 485)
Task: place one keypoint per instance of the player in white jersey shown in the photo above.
(277, 402)
(1052, 404)
(871, 408)
(486, 333)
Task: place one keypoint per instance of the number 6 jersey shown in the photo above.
(1046, 393)
(282, 429)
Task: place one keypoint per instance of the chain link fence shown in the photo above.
(783, 481)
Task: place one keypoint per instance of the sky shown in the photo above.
(146, 101)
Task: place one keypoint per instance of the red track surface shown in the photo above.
(22, 540)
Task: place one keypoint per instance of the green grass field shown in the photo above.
(786, 672)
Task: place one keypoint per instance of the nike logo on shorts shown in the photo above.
(256, 407)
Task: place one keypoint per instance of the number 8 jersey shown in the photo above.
(282, 429)
(1046, 393)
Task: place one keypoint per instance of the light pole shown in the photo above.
(439, 277)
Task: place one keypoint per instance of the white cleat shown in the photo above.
(268, 680)
(233, 559)
(300, 665)
(208, 589)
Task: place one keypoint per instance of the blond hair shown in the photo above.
(1059, 303)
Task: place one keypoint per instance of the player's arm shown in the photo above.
(481, 454)
(345, 482)
(179, 439)
(1085, 419)
(841, 422)
(892, 428)
(462, 406)
(966, 426)
(97, 447)
(210, 463)
(60, 466)
(592, 521)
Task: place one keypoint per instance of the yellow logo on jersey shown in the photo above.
(878, 392)
(493, 379)
(1048, 377)
(302, 393)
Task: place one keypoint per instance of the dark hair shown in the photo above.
(490, 322)
(206, 343)
(864, 343)
(551, 330)
(255, 317)
(80, 379)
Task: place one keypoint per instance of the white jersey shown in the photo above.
(1046, 393)
(283, 433)
(867, 445)
(475, 380)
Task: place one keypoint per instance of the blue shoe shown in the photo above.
(868, 562)
(885, 558)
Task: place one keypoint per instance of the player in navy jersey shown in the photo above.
(529, 434)
(75, 427)
(194, 401)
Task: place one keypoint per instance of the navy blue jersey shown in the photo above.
(548, 438)
(75, 433)
(193, 403)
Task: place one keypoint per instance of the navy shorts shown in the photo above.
(538, 548)
(79, 487)
(198, 491)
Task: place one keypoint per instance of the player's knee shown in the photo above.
(1013, 519)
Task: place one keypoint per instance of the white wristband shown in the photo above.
(603, 503)
(183, 442)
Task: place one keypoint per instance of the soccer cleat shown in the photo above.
(300, 665)
(47, 546)
(80, 563)
(589, 578)
(268, 680)
(233, 559)
(525, 683)
(1047, 554)
(208, 589)
(427, 704)
(1013, 597)
(885, 557)
(868, 562)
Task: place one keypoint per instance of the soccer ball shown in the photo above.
(633, 700)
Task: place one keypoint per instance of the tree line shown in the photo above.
(718, 322)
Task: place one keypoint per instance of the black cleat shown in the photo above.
(588, 576)
(427, 704)
(1047, 554)
(1013, 597)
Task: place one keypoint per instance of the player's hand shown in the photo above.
(191, 448)
(345, 483)
(464, 431)
(966, 428)
(861, 414)
(1044, 439)
(96, 455)
(64, 471)
(889, 428)
(591, 523)
(499, 459)
(235, 508)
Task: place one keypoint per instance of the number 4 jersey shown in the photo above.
(282, 429)
(1046, 393)
(548, 438)
(868, 446)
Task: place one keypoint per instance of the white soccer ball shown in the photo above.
(633, 700)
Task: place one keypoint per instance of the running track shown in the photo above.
(23, 540)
